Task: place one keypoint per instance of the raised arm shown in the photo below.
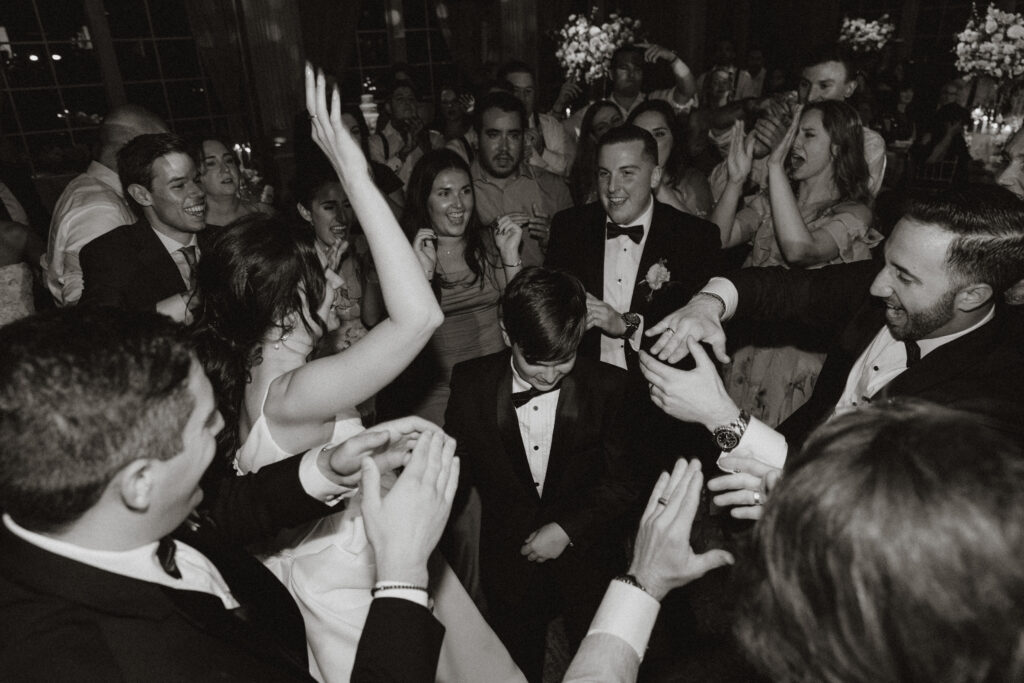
(316, 392)
(739, 162)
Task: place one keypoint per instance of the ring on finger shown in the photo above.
(757, 498)
(662, 501)
(670, 331)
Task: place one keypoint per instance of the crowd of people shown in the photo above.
(455, 403)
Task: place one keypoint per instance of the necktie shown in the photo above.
(633, 232)
(913, 352)
(188, 272)
(521, 398)
(165, 554)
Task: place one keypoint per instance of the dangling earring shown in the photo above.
(282, 339)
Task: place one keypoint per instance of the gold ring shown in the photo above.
(662, 501)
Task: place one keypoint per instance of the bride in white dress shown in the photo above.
(266, 302)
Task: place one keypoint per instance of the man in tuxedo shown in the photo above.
(93, 203)
(544, 437)
(926, 324)
(638, 260)
(109, 423)
(150, 264)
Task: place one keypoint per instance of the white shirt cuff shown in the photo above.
(317, 485)
(762, 443)
(638, 336)
(627, 613)
(421, 598)
(725, 289)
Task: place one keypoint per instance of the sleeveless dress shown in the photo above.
(771, 382)
(329, 569)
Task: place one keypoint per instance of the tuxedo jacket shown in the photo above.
(129, 267)
(61, 620)
(691, 248)
(981, 372)
(589, 485)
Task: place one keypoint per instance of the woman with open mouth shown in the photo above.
(219, 174)
(814, 212)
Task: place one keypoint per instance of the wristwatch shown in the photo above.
(728, 436)
(630, 580)
(632, 321)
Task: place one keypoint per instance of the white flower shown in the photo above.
(657, 275)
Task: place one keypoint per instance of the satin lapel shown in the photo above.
(508, 428)
(163, 275)
(944, 363)
(654, 249)
(566, 416)
(593, 251)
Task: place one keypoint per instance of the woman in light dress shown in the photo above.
(815, 211)
(266, 302)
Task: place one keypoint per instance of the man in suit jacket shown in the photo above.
(150, 264)
(109, 423)
(639, 260)
(544, 437)
(926, 324)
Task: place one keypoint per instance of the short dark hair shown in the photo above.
(890, 550)
(135, 160)
(988, 224)
(627, 51)
(628, 132)
(545, 314)
(830, 52)
(313, 172)
(515, 66)
(498, 99)
(85, 391)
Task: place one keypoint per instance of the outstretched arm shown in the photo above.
(316, 392)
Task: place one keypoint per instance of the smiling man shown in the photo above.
(927, 324)
(151, 263)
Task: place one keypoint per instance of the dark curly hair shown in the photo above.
(250, 280)
(416, 215)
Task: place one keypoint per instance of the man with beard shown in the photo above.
(946, 337)
(505, 184)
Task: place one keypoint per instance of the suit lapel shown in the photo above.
(508, 428)
(165, 278)
(944, 363)
(566, 416)
(593, 253)
(654, 249)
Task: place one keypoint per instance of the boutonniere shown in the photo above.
(658, 276)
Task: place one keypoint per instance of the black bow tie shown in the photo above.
(521, 398)
(165, 553)
(633, 232)
(913, 352)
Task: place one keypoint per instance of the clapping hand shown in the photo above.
(746, 487)
(780, 151)
(741, 154)
(387, 445)
(329, 133)
(662, 556)
(696, 395)
(405, 526)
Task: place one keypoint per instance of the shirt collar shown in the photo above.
(477, 172)
(929, 345)
(105, 176)
(172, 245)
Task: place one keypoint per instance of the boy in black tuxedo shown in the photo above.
(543, 437)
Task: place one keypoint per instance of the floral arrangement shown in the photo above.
(585, 47)
(992, 46)
(861, 35)
(658, 276)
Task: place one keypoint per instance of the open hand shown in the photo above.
(780, 151)
(330, 135)
(696, 395)
(388, 445)
(746, 487)
(700, 318)
(662, 557)
(741, 154)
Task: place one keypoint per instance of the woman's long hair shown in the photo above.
(583, 176)
(849, 168)
(677, 160)
(416, 215)
(249, 283)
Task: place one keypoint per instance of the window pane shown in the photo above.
(127, 19)
(188, 98)
(170, 18)
(39, 109)
(19, 18)
(373, 48)
(8, 124)
(415, 13)
(148, 95)
(62, 19)
(416, 47)
(55, 153)
(178, 58)
(29, 67)
(137, 59)
(74, 65)
(371, 16)
(86, 106)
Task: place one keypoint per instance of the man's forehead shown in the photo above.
(626, 153)
(500, 119)
(628, 56)
(830, 70)
(918, 241)
(172, 165)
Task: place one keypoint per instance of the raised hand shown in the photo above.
(653, 52)
(388, 445)
(700, 318)
(780, 151)
(508, 234)
(696, 395)
(329, 133)
(662, 557)
(538, 226)
(405, 526)
(741, 154)
(424, 244)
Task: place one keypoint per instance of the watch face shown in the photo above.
(726, 439)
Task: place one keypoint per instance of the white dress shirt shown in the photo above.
(881, 362)
(536, 426)
(628, 613)
(174, 248)
(621, 262)
(91, 205)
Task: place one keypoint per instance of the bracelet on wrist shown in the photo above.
(716, 298)
(630, 580)
(396, 587)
